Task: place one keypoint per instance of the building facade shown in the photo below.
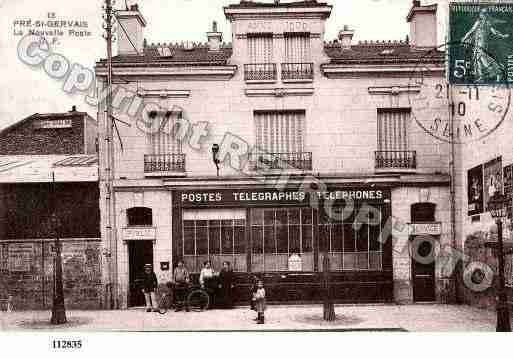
(49, 165)
(319, 155)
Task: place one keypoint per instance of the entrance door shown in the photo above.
(423, 269)
(139, 253)
(423, 273)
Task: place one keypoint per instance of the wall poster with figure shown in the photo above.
(475, 190)
(492, 176)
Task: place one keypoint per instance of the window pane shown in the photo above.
(281, 218)
(257, 240)
(239, 222)
(269, 240)
(307, 238)
(226, 240)
(349, 238)
(214, 223)
(282, 235)
(227, 222)
(188, 223)
(202, 240)
(374, 238)
(306, 216)
(269, 217)
(201, 223)
(294, 215)
(324, 237)
(295, 239)
(240, 240)
(336, 238)
(214, 240)
(362, 244)
(362, 260)
(188, 241)
(257, 217)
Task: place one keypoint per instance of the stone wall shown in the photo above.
(26, 273)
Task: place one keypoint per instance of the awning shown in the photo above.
(47, 168)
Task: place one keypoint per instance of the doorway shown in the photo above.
(423, 263)
(139, 253)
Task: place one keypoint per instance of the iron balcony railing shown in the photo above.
(258, 72)
(172, 162)
(297, 71)
(396, 159)
(282, 161)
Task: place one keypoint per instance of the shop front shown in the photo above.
(282, 237)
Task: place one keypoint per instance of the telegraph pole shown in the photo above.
(109, 161)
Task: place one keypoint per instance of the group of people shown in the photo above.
(218, 285)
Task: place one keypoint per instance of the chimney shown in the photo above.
(346, 36)
(73, 109)
(215, 38)
(133, 23)
(423, 26)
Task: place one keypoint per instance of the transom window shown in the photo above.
(139, 216)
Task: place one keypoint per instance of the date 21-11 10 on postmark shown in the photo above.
(482, 35)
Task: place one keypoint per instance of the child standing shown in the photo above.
(259, 300)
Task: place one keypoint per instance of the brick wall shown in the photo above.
(24, 139)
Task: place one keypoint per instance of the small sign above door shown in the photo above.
(139, 234)
(431, 228)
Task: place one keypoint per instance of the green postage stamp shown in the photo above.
(480, 43)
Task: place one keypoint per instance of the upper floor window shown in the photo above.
(261, 64)
(298, 57)
(139, 216)
(280, 140)
(393, 139)
(165, 147)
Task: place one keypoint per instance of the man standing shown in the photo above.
(149, 283)
(180, 281)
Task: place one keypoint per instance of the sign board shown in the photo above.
(431, 228)
(139, 233)
(492, 180)
(20, 257)
(295, 263)
(53, 124)
(274, 197)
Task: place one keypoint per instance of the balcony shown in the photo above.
(297, 72)
(260, 72)
(164, 165)
(396, 160)
(301, 161)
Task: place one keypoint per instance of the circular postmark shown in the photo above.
(462, 112)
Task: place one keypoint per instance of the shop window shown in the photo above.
(276, 234)
(139, 216)
(216, 236)
(351, 245)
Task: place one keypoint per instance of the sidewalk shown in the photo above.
(429, 317)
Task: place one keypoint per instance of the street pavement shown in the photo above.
(421, 317)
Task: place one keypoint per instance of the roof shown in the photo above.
(44, 116)
(380, 53)
(256, 4)
(174, 54)
(41, 169)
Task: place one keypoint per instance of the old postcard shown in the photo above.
(249, 167)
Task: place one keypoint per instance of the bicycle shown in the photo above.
(197, 299)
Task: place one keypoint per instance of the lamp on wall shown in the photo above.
(497, 207)
(215, 156)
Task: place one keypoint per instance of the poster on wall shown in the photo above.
(508, 188)
(20, 257)
(492, 176)
(475, 190)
